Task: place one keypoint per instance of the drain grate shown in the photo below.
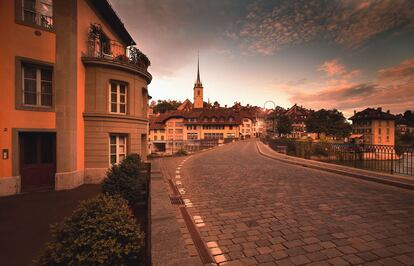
(176, 200)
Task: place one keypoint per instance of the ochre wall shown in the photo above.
(15, 40)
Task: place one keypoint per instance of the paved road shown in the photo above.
(260, 211)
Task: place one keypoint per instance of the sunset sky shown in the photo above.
(344, 54)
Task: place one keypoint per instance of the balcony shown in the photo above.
(103, 51)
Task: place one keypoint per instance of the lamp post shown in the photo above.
(274, 114)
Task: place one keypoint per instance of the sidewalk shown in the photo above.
(25, 220)
(383, 178)
(168, 247)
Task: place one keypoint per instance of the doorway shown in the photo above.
(37, 160)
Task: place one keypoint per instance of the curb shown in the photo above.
(336, 171)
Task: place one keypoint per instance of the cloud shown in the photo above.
(171, 32)
(393, 88)
(332, 67)
(269, 25)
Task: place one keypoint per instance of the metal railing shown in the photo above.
(383, 158)
(102, 47)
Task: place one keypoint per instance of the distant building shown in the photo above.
(373, 126)
(405, 123)
(298, 115)
(194, 123)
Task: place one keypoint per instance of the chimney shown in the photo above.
(379, 109)
(388, 111)
(354, 112)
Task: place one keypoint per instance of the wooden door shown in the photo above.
(37, 160)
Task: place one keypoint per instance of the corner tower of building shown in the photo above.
(198, 89)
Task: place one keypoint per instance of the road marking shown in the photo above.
(177, 176)
(177, 172)
(178, 182)
(182, 191)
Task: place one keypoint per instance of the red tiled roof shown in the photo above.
(371, 114)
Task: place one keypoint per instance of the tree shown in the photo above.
(284, 125)
(331, 122)
(163, 106)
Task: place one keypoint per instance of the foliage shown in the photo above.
(126, 179)
(284, 125)
(331, 122)
(181, 152)
(163, 106)
(406, 139)
(100, 232)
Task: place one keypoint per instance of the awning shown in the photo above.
(356, 136)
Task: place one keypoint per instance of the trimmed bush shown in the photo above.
(181, 152)
(126, 180)
(101, 231)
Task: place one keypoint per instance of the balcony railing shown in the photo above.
(101, 47)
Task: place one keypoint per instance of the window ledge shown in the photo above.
(35, 26)
(35, 108)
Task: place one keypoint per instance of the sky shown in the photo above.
(343, 54)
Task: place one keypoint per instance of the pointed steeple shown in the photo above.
(198, 82)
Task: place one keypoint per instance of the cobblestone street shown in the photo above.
(252, 210)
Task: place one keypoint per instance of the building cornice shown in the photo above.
(114, 118)
(110, 63)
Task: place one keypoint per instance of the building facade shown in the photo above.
(75, 94)
(373, 126)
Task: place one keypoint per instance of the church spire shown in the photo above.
(198, 82)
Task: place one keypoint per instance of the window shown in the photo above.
(178, 131)
(117, 100)
(231, 127)
(162, 137)
(379, 131)
(117, 148)
(155, 137)
(38, 12)
(37, 85)
(170, 131)
(388, 131)
(192, 135)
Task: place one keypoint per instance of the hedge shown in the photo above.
(101, 231)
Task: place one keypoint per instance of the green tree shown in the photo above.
(163, 106)
(331, 122)
(283, 125)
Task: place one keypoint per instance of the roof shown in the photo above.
(203, 116)
(104, 8)
(373, 114)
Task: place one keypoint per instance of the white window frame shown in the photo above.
(117, 148)
(38, 87)
(118, 98)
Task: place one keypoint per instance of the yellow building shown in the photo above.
(373, 126)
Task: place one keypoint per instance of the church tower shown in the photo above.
(198, 89)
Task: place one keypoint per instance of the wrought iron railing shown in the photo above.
(100, 46)
(383, 158)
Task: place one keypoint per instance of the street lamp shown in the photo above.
(274, 114)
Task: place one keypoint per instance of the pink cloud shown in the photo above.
(393, 89)
(332, 67)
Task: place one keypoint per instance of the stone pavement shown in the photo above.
(170, 241)
(252, 210)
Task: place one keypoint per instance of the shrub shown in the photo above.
(320, 149)
(101, 231)
(181, 152)
(126, 180)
